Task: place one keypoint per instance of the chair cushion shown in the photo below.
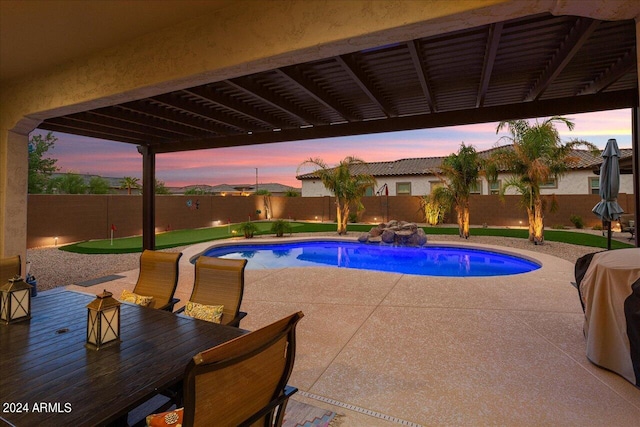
(171, 418)
(210, 313)
(142, 300)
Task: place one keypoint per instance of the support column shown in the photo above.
(14, 166)
(148, 197)
(635, 160)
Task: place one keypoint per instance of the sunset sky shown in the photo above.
(279, 162)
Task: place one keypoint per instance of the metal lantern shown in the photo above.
(15, 300)
(103, 321)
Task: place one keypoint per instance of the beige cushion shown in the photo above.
(210, 313)
(141, 300)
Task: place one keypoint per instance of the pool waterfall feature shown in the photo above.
(394, 232)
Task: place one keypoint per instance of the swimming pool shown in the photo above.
(424, 261)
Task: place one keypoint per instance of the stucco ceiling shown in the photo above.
(38, 34)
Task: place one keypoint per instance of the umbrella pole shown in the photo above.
(608, 235)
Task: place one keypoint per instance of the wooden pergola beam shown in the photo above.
(495, 31)
(231, 104)
(170, 116)
(294, 75)
(423, 77)
(246, 85)
(570, 105)
(360, 78)
(572, 43)
(612, 74)
(222, 125)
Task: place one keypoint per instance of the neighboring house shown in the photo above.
(418, 177)
(237, 189)
(274, 188)
(217, 190)
(200, 189)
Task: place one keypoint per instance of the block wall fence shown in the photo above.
(72, 218)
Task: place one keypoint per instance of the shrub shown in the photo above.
(280, 226)
(435, 206)
(558, 227)
(576, 220)
(248, 228)
(597, 227)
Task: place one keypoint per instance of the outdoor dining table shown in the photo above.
(48, 376)
(610, 294)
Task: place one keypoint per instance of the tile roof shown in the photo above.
(426, 165)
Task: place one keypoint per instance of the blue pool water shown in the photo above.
(423, 261)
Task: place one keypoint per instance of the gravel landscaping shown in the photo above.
(53, 267)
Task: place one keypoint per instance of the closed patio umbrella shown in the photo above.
(608, 208)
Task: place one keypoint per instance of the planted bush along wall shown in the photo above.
(72, 218)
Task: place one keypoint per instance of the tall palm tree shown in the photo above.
(129, 183)
(459, 174)
(537, 156)
(347, 187)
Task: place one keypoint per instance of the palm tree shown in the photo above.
(129, 183)
(537, 156)
(459, 174)
(347, 187)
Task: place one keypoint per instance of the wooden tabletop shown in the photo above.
(49, 377)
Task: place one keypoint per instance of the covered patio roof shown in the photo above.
(532, 66)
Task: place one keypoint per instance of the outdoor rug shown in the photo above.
(300, 414)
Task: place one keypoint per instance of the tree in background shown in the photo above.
(40, 167)
(160, 188)
(68, 183)
(195, 191)
(98, 185)
(346, 185)
(130, 183)
(536, 156)
(459, 173)
(292, 193)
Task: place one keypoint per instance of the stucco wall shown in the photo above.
(574, 182)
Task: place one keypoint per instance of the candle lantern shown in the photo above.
(15, 300)
(103, 321)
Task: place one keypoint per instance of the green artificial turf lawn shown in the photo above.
(189, 237)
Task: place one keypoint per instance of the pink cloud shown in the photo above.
(279, 162)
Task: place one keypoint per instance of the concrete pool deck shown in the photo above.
(384, 349)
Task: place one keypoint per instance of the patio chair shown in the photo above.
(220, 282)
(9, 268)
(242, 382)
(158, 278)
(627, 225)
